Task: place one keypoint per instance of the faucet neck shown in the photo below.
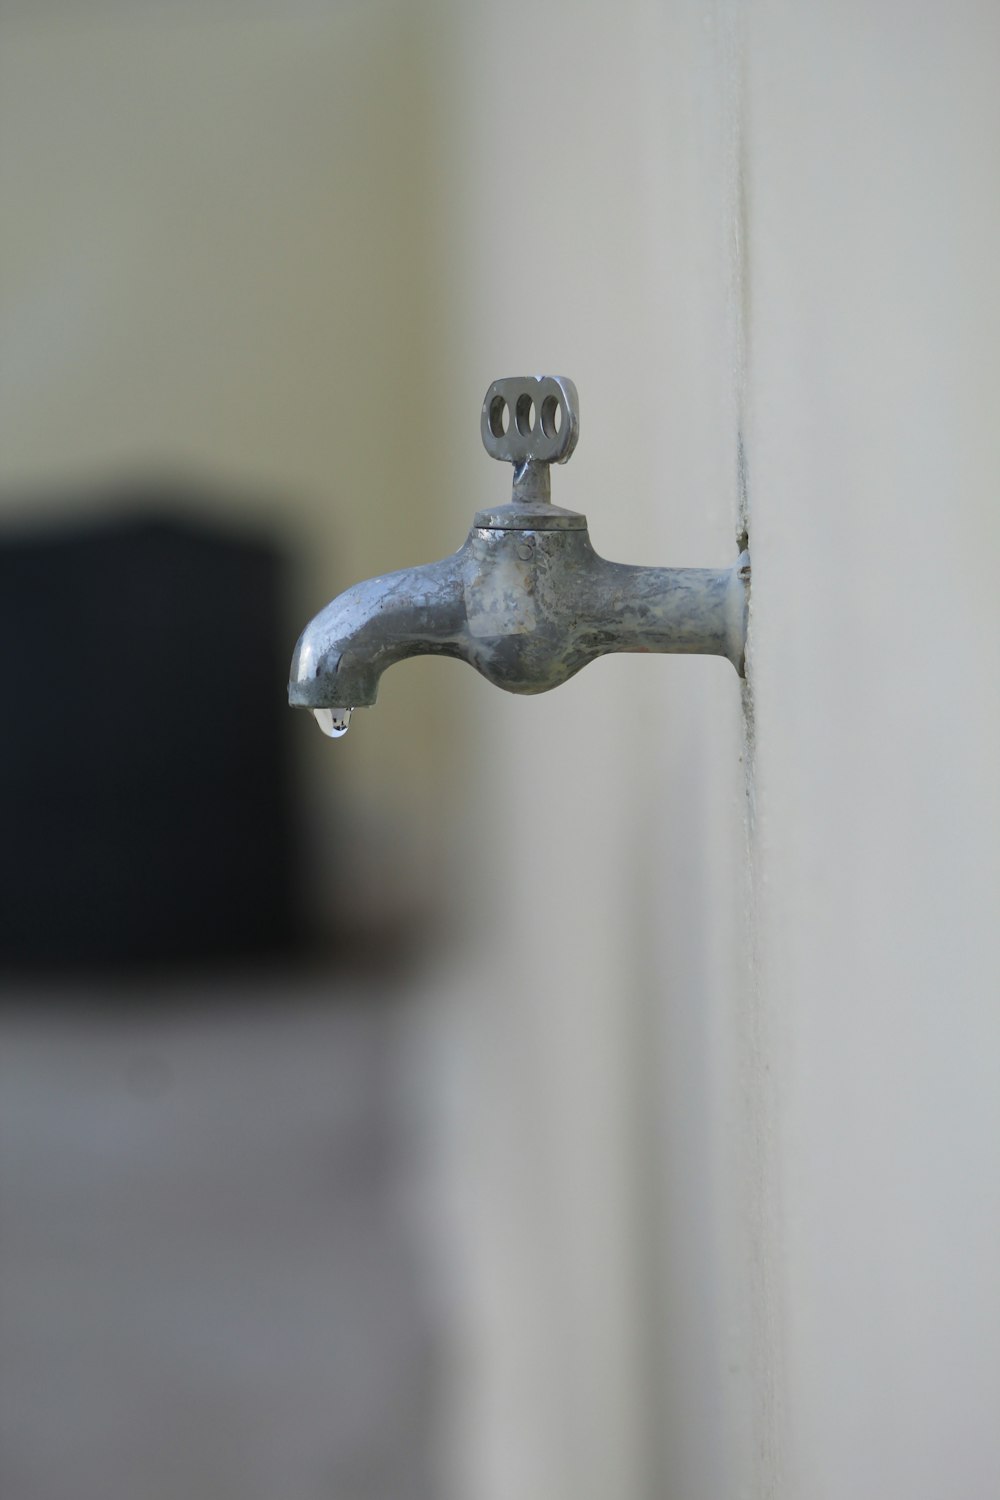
(532, 483)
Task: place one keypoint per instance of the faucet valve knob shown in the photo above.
(531, 419)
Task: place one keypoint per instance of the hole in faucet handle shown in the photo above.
(524, 416)
(551, 417)
(499, 416)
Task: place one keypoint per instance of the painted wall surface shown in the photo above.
(874, 446)
(789, 1129)
(711, 1069)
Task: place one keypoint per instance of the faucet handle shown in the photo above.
(531, 419)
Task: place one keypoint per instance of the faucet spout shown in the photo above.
(344, 650)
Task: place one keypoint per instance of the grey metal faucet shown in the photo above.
(525, 600)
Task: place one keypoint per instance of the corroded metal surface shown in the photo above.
(526, 600)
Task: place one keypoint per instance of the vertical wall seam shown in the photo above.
(756, 1109)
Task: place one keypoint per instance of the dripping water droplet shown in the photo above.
(333, 721)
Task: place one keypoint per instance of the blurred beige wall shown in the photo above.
(716, 1105)
(221, 260)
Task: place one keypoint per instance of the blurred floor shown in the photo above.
(206, 1285)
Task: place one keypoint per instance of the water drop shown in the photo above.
(333, 721)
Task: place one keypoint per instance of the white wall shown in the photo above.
(874, 379)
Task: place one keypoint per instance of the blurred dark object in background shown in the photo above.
(144, 786)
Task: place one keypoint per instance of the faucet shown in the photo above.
(525, 600)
